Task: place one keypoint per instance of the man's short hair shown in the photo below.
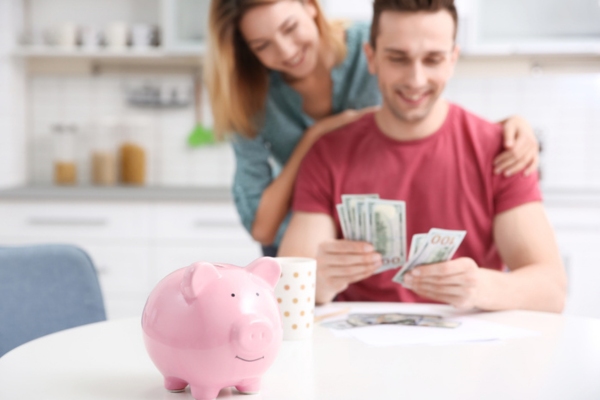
(379, 6)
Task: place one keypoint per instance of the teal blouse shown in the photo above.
(259, 160)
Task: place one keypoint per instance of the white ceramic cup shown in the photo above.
(117, 35)
(295, 293)
(66, 35)
(90, 37)
(141, 36)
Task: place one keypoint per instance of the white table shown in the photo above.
(108, 360)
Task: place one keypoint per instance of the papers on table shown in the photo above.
(471, 329)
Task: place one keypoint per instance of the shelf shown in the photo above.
(117, 193)
(190, 52)
(535, 48)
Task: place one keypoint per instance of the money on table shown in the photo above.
(359, 320)
(382, 223)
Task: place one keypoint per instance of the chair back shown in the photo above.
(45, 289)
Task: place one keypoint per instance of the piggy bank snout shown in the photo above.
(253, 334)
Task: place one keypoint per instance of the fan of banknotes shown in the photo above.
(382, 223)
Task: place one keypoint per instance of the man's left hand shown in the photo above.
(456, 282)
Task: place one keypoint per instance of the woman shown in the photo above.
(280, 76)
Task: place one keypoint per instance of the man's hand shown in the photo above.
(342, 262)
(456, 282)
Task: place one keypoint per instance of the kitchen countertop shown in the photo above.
(123, 193)
(553, 197)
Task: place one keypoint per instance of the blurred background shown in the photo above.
(105, 137)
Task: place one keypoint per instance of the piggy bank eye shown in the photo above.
(257, 294)
(232, 294)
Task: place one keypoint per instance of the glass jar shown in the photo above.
(132, 153)
(103, 154)
(65, 165)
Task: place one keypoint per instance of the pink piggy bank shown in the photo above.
(214, 326)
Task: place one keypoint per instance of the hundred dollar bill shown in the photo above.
(339, 324)
(361, 219)
(386, 230)
(440, 245)
(349, 201)
(342, 215)
(416, 245)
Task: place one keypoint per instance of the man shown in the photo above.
(439, 159)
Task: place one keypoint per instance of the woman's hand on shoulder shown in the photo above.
(333, 122)
(521, 148)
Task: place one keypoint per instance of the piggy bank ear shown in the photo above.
(267, 268)
(195, 278)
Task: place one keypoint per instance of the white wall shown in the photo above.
(13, 169)
(563, 107)
(85, 99)
(359, 10)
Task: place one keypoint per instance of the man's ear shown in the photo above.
(455, 53)
(454, 59)
(370, 54)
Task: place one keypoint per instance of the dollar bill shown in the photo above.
(343, 216)
(440, 245)
(385, 224)
(361, 218)
(416, 245)
(349, 201)
(341, 324)
(360, 320)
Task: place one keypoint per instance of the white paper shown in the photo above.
(470, 330)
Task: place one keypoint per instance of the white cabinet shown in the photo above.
(212, 232)
(170, 258)
(185, 24)
(65, 220)
(125, 275)
(133, 244)
(530, 27)
(578, 234)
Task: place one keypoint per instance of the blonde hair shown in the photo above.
(237, 81)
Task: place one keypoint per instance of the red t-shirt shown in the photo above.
(446, 180)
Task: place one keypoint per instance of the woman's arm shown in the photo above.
(521, 148)
(275, 201)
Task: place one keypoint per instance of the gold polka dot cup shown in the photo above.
(295, 293)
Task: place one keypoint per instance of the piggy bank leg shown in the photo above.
(173, 384)
(204, 392)
(249, 386)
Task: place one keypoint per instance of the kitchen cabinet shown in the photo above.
(136, 243)
(185, 24)
(509, 27)
(529, 27)
(133, 244)
(578, 234)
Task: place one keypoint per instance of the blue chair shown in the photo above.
(45, 289)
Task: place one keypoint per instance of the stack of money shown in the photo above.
(382, 223)
(429, 248)
(379, 222)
